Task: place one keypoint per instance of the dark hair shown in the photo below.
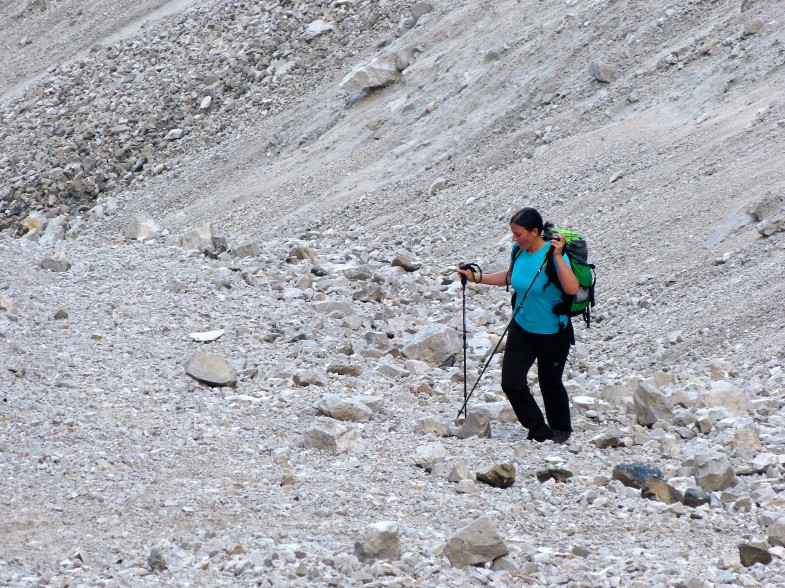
(530, 219)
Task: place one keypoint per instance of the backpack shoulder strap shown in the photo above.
(550, 270)
(516, 251)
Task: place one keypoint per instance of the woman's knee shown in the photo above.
(512, 387)
(552, 384)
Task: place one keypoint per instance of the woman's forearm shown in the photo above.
(567, 279)
(493, 279)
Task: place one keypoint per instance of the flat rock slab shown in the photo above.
(207, 336)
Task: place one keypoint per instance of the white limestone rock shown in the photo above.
(207, 336)
(142, 227)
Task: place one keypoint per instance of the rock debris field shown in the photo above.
(231, 333)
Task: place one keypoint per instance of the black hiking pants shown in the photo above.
(551, 353)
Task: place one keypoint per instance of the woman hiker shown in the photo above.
(536, 333)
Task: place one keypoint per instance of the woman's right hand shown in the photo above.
(466, 274)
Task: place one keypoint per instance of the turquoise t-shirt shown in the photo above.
(536, 314)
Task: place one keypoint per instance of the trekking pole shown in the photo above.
(495, 349)
(473, 267)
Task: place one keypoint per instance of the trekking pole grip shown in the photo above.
(472, 267)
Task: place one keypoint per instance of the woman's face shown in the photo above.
(522, 236)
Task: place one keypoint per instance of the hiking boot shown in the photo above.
(544, 433)
(561, 437)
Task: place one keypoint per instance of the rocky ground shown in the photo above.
(230, 331)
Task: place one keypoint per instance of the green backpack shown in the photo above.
(577, 251)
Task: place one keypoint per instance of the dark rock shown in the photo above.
(634, 475)
(695, 497)
(156, 560)
(558, 474)
(751, 555)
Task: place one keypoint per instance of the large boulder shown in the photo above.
(55, 231)
(603, 72)
(317, 28)
(380, 541)
(212, 370)
(726, 395)
(326, 434)
(382, 71)
(55, 263)
(433, 344)
(635, 475)
(203, 239)
(478, 543)
(142, 227)
(651, 404)
(344, 409)
(777, 532)
(713, 471)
